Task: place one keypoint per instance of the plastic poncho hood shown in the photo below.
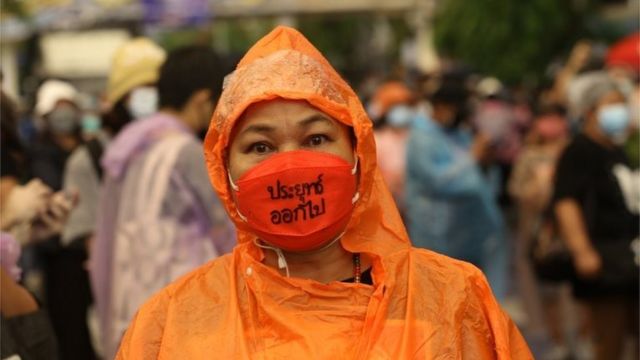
(285, 65)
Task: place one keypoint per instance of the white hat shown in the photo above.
(489, 86)
(50, 93)
(136, 63)
(585, 90)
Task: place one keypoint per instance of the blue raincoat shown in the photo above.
(451, 206)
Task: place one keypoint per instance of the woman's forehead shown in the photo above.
(612, 97)
(279, 108)
(282, 114)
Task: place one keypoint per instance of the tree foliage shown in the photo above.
(513, 40)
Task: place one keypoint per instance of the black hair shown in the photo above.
(12, 148)
(117, 117)
(452, 90)
(187, 70)
(9, 124)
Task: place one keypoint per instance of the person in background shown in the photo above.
(451, 208)
(31, 213)
(158, 216)
(564, 90)
(496, 118)
(132, 94)
(632, 146)
(58, 119)
(58, 116)
(34, 214)
(391, 112)
(531, 187)
(338, 278)
(623, 64)
(597, 213)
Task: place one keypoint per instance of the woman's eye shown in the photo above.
(316, 140)
(260, 148)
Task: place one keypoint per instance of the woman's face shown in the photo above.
(275, 126)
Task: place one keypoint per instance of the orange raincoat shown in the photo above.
(422, 305)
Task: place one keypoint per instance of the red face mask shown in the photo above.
(297, 200)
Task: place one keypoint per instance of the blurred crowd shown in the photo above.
(540, 188)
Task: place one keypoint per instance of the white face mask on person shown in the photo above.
(613, 121)
(143, 101)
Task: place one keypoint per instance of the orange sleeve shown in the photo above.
(507, 342)
(143, 338)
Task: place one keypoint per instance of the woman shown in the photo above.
(392, 113)
(531, 186)
(324, 268)
(59, 114)
(595, 203)
(129, 93)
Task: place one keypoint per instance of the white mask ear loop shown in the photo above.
(355, 165)
(332, 241)
(282, 262)
(233, 185)
(356, 196)
(236, 188)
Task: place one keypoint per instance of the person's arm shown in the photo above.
(7, 183)
(23, 203)
(443, 169)
(26, 327)
(143, 337)
(14, 299)
(577, 60)
(574, 232)
(496, 334)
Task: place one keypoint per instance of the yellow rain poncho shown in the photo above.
(422, 305)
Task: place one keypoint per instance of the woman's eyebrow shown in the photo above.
(258, 128)
(315, 118)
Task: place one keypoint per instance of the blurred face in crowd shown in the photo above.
(550, 128)
(610, 117)
(278, 126)
(445, 114)
(442, 113)
(64, 119)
